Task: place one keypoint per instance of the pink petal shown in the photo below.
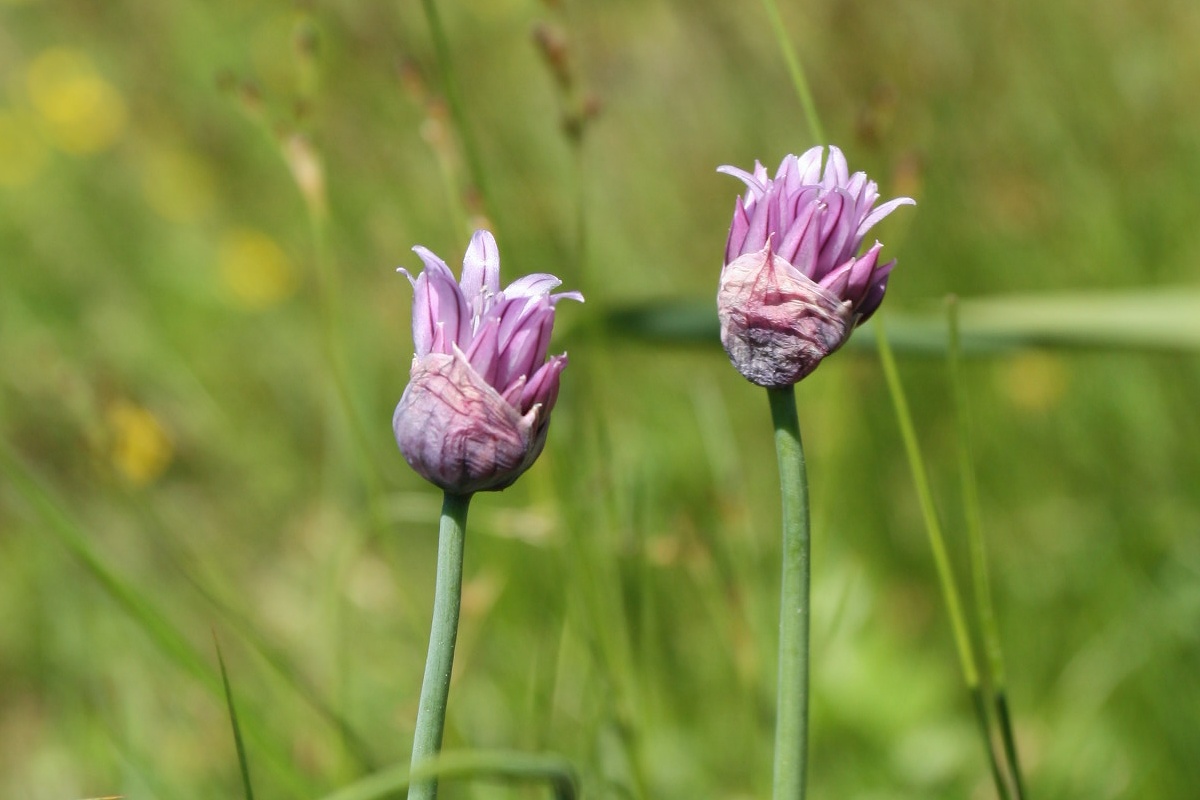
(481, 270)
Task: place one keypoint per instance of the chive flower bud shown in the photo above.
(793, 286)
(476, 410)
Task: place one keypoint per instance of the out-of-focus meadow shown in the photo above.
(202, 338)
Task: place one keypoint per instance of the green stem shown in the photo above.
(983, 720)
(933, 526)
(979, 571)
(937, 543)
(1000, 698)
(797, 73)
(435, 687)
(971, 512)
(791, 720)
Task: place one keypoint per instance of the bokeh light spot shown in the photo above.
(1035, 381)
(83, 112)
(255, 271)
(140, 446)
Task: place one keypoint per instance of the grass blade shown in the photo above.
(941, 558)
(980, 581)
(243, 764)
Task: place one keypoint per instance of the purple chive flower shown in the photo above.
(477, 407)
(793, 286)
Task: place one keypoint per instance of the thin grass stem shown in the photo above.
(937, 543)
(441, 49)
(970, 496)
(435, 687)
(983, 719)
(791, 719)
(1000, 699)
(243, 761)
(796, 71)
(981, 582)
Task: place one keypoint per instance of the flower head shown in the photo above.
(793, 286)
(477, 407)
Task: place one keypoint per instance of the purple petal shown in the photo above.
(760, 172)
(526, 350)
(756, 236)
(481, 270)
(787, 174)
(839, 244)
(482, 353)
(408, 275)
(757, 186)
(737, 232)
(831, 219)
(837, 280)
(422, 317)
(808, 248)
(862, 274)
(543, 385)
(442, 299)
(572, 295)
(837, 171)
(881, 212)
(512, 312)
(851, 280)
(806, 208)
(857, 190)
(808, 166)
(432, 262)
(539, 283)
(512, 394)
(875, 294)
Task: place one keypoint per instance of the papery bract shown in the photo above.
(793, 286)
(476, 410)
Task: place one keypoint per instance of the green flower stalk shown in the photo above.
(473, 417)
(792, 290)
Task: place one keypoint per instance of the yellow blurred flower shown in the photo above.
(254, 270)
(1035, 381)
(82, 112)
(22, 154)
(140, 447)
(177, 185)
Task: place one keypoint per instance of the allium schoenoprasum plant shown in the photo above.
(474, 417)
(793, 288)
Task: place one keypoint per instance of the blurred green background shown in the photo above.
(202, 338)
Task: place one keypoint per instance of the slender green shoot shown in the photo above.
(799, 81)
(504, 765)
(243, 763)
(1000, 698)
(441, 49)
(937, 543)
(447, 599)
(791, 718)
(981, 583)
